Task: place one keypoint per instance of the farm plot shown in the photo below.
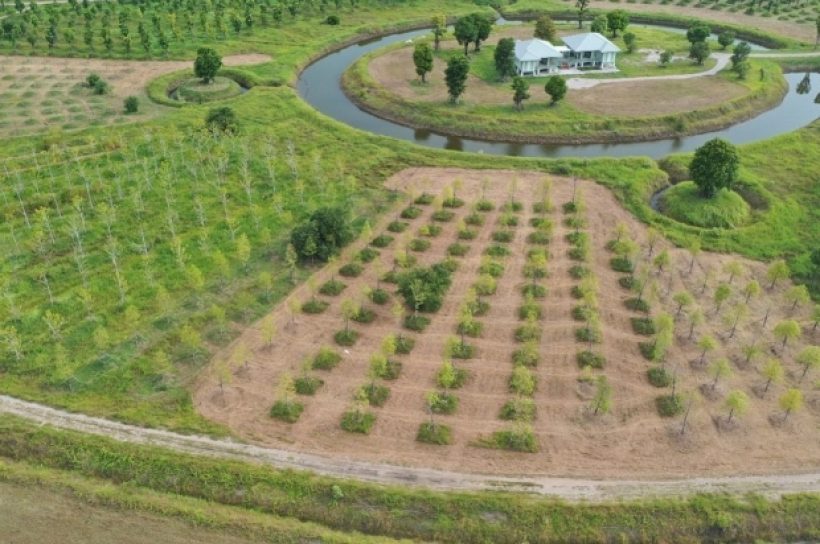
(40, 93)
(542, 358)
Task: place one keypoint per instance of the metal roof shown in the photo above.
(590, 41)
(535, 49)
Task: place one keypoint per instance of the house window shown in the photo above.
(587, 54)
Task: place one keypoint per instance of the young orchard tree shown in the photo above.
(777, 271)
(662, 260)
(799, 294)
(520, 92)
(504, 58)
(602, 401)
(706, 343)
(545, 29)
(726, 38)
(666, 57)
(815, 317)
(751, 290)
(722, 294)
(733, 268)
(207, 64)
(439, 30)
(423, 60)
(773, 372)
(808, 358)
(556, 88)
(455, 75)
(631, 42)
(683, 299)
(737, 403)
(718, 370)
(714, 166)
(790, 401)
(787, 330)
(737, 313)
(693, 247)
(696, 317)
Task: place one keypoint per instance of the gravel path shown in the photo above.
(565, 488)
(583, 83)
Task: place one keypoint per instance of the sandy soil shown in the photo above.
(632, 442)
(49, 90)
(395, 73)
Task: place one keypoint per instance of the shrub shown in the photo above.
(497, 251)
(367, 255)
(443, 216)
(582, 312)
(379, 296)
(462, 351)
(346, 337)
(637, 305)
(434, 433)
(431, 231)
(424, 199)
(222, 119)
(659, 377)
(512, 206)
(669, 405)
(391, 276)
(434, 282)
(131, 104)
(288, 412)
(404, 345)
(627, 282)
(332, 288)
(588, 334)
(442, 402)
(332, 20)
(471, 328)
(493, 269)
(92, 79)
(419, 244)
(410, 212)
(579, 253)
(590, 359)
(326, 359)
(383, 240)
(508, 221)
(376, 394)
(351, 270)
(518, 409)
(416, 322)
(575, 222)
(466, 234)
(323, 234)
(314, 306)
(538, 237)
(528, 333)
(522, 381)
(457, 250)
(522, 440)
(356, 421)
(484, 206)
(453, 202)
(397, 226)
(643, 325)
(530, 309)
(527, 355)
(570, 207)
(459, 378)
(647, 349)
(307, 385)
(391, 370)
(534, 290)
(579, 271)
(101, 87)
(474, 219)
(577, 238)
(364, 315)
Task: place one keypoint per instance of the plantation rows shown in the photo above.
(120, 267)
(153, 27)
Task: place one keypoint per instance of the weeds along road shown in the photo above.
(564, 488)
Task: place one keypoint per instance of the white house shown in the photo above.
(589, 50)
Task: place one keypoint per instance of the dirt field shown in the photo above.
(633, 441)
(395, 72)
(41, 93)
(36, 516)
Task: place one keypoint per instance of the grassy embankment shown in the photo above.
(562, 122)
(377, 510)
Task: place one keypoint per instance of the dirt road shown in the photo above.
(565, 488)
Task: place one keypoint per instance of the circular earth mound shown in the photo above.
(195, 90)
(684, 203)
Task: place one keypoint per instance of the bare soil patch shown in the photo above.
(634, 441)
(42, 93)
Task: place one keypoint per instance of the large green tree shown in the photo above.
(207, 64)
(455, 75)
(521, 92)
(617, 20)
(505, 58)
(465, 31)
(556, 87)
(326, 231)
(698, 32)
(545, 29)
(714, 166)
(423, 59)
(582, 7)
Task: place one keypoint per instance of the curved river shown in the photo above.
(320, 86)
